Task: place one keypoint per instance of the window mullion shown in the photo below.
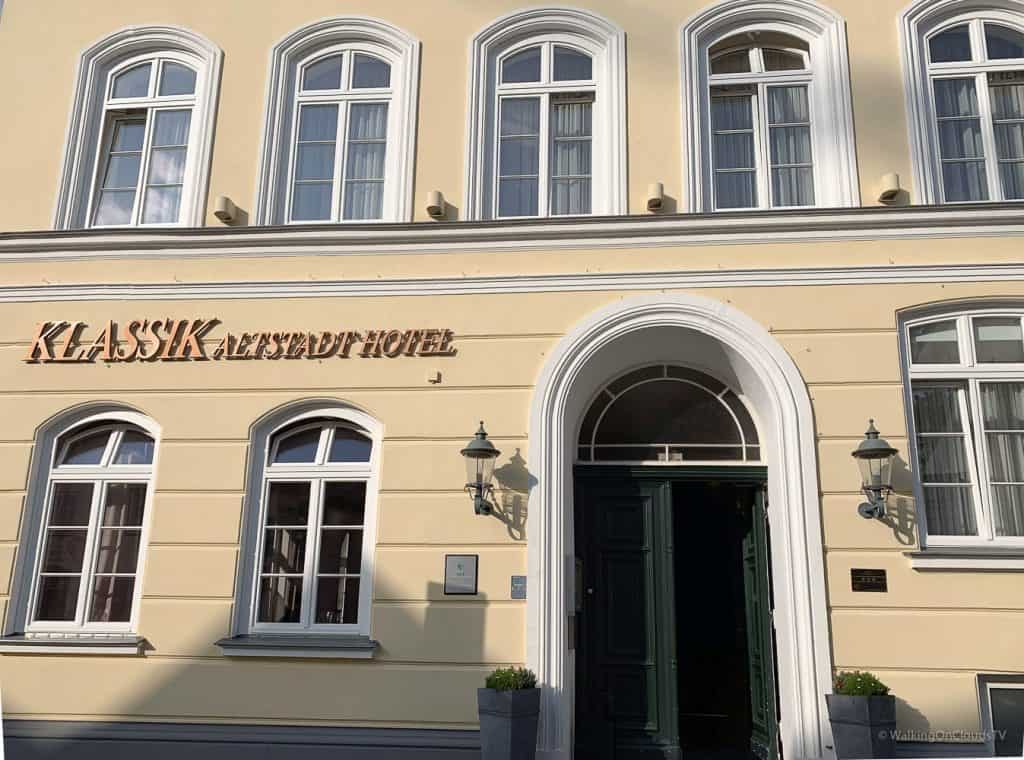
(988, 138)
(340, 157)
(312, 552)
(545, 147)
(978, 449)
(762, 157)
(144, 160)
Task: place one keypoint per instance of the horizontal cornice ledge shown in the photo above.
(779, 226)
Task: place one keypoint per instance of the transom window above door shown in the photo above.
(967, 391)
(339, 161)
(760, 96)
(665, 414)
(976, 73)
(145, 168)
(544, 150)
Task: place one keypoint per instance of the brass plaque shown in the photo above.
(862, 579)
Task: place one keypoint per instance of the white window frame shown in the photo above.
(761, 80)
(344, 98)
(969, 374)
(580, 30)
(832, 134)
(287, 60)
(262, 472)
(116, 110)
(53, 440)
(918, 24)
(986, 684)
(88, 122)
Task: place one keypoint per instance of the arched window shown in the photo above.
(546, 118)
(768, 109)
(313, 539)
(340, 129)
(141, 131)
(667, 414)
(967, 95)
(94, 491)
(966, 399)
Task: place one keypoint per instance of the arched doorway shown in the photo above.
(715, 339)
(672, 632)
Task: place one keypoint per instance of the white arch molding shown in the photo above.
(715, 338)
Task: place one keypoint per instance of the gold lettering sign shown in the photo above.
(168, 340)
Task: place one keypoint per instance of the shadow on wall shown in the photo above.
(434, 653)
(901, 515)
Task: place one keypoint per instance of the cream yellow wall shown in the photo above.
(928, 637)
(40, 41)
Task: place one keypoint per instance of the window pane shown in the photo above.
(793, 187)
(572, 65)
(1012, 178)
(736, 62)
(1008, 509)
(570, 196)
(87, 449)
(790, 145)
(349, 446)
(64, 552)
(782, 60)
(1008, 720)
(167, 166)
(734, 150)
(58, 598)
(337, 600)
(517, 197)
(961, 138)
(324, 74)
(126, 504)
(937, 409)
(1008, 123)
(1006, 457)
(966, 181)
(998, 339)
(731, 112)
(133, 83)
(934, 343)
(364, 200)
(118, 551)
(135, 448)
(955, 97)
(735, 190)
(284, 550)
(943, 459)
(115, 207)
(1003, 42)
(341, 551)
(521, 67)
(315, 161)
(344, 503)
(111, 600)
(298, 448)
(129, 135)
(171, 127)
(951, 45)
(318, 123)
(365, 160)
(518, 156)
(163, 205)
(288, 504)
(949, 511)
(72, 504)
(788, 105)
(177, 79)
(122, 171)
(368, 126)
(520, 116)
(1002, 406)
(312, 202)
(370, 72)
(280, 600)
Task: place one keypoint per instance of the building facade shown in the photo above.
(266, 266)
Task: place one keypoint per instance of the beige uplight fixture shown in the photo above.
(436, 205)
(889, 188)
(655, 196)
(225, 209)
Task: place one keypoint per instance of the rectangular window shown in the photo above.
(313, 188)
(1002, 407)
(961, 144)
(789, 135)
(166, 172)
(1006, 93)
(734, 159)
(519, 156)
(365, 149)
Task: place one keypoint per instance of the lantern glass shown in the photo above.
(875, 472)
(479, 470)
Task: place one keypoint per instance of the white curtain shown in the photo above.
(960, 140)
(1008, 117)
(166, 166)
(733, 151)
(364, 164)
(944, 466)
(789, 128)
(570, 158)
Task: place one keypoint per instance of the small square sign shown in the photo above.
(460, 574)
(518, 586)
(863, 579)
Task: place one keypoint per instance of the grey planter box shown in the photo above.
(863, 727)
(508, 724)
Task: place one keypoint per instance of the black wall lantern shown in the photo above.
(480, 455)
(874, 456)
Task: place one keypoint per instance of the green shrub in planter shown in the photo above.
(863, 716)
(509, 707)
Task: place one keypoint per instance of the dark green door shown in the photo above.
(625, 685)
(764, 741)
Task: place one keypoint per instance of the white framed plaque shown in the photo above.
(460, 572)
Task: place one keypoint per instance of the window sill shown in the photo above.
(967, 558)
(72, 643)
(350, 647)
